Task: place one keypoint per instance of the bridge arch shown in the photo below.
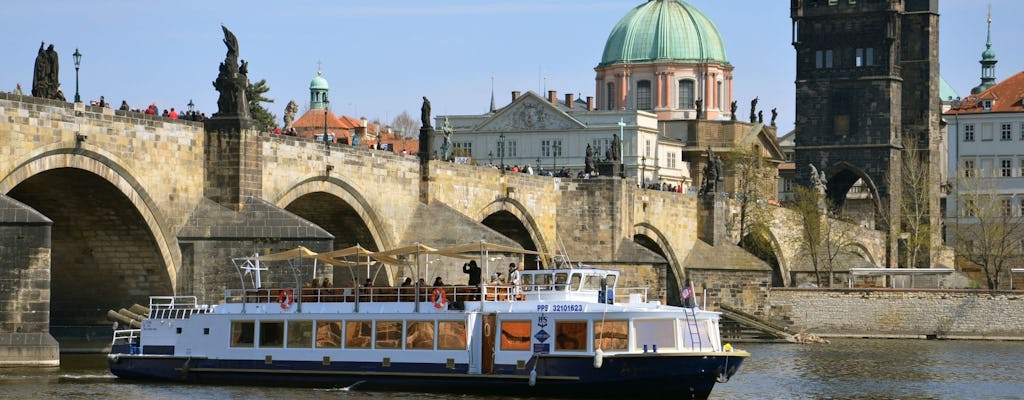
(651, 238)
(339, 208)
(769, 241)
(496, 215)
(108, 235)
(841, 178)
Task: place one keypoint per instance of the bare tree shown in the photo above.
(988, 234)
(823, 239)
(916, 224)
(405, 126)
(754, 182)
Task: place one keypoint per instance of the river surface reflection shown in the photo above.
(844, 369)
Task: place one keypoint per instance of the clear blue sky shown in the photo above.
(380, 57)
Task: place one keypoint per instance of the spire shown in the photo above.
(492, 94)
(318, 89)
(988, 60)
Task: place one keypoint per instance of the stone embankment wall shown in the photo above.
(914, 313)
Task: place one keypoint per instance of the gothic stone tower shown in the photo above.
(868, 76)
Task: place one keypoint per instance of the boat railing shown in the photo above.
(175, 307)
(631, 294)
(126, 336)
(378, 294)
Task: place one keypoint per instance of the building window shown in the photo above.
(600, 146)
(819, 59)
(1006, 207)
(969, 133)
(647, 148)
(643, 95)
(968, 208)
(833, 2)
(986, 105)
(858, 59)
(1022, 131)
(968, 168)
(545, 148)
(1006, 132)
(1006, 168)
(828, 58)
(466, 147)
(610, 104)
(686, 89)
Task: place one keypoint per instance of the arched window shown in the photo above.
(686, 94)
(643, 95)
(610, 102)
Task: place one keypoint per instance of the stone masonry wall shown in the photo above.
(899, 313)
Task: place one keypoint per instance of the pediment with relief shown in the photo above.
(530, 113)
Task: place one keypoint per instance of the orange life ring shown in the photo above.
(438, 297)
(285, 298)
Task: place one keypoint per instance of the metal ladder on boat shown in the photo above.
(691, 325)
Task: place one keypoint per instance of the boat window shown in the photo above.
(515, 335)
(389, 335)
(592, 282)
(358, 334)
(328, 334)
(697, 340)
(574, 281)
(300, 334)
(451, 335)
(658, 332)
(560, 279)
(528, 282)
(610, 280)
(271, 333)
(611, 335)
(419, 335)
(242, 333)
(571, 335)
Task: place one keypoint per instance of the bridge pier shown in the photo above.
(25, 338)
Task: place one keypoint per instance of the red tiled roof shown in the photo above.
(1006, 96)
(315, 119)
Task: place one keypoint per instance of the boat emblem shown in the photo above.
(542, 336)
(542, 321)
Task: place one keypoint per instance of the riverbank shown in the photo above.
(899, 313)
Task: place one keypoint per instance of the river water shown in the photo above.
(844, 369)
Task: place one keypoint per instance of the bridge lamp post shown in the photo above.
(78, 63)
(555, 148)
(326, 108)
(501, 150)
(191, 106)
(643, 172)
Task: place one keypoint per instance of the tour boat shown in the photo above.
(547, 332)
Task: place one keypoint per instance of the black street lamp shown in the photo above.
(643, 172)
(326, 107)
(191, 107)
(78, 63)
(501, 150)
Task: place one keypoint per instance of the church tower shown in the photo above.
(988, 61)
(318, 89)
(867, 77)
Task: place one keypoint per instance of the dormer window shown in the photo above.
(986, 105)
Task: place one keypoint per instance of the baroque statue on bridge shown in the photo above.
(232, 81)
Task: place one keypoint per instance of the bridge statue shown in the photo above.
(712, 173)
(446, 141)
(46, 74)
(425, 113)
(590, 165)
(289, 114)
(232, 81)
(818, 180)
(753, 110)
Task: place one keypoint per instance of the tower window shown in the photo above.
(643, 95)
(610, 96)
(686, 89)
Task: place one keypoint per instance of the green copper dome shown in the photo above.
(664, 30)
(318, 83)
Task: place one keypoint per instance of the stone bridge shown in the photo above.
(101, 208)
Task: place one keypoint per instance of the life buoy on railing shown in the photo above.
(438, 297)
(285, 298)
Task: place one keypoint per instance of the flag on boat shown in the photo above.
(687, 293)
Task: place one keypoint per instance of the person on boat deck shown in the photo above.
(495, 279)
(422, 282)
(314, 283)
(474, 273)
(326, 283)
(439, 282)
(407, 282)
(368, 283)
